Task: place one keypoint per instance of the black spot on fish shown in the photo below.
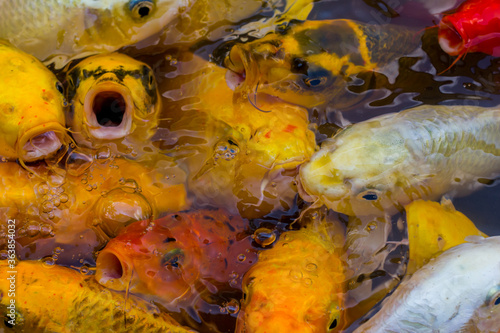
(299, 66)
(169, 239)
(333, 324)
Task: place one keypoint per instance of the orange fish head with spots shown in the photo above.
(165, 259)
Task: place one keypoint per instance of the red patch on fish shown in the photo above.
(290, 128)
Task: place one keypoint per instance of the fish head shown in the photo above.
(31, 107)
(148, 259)
(163, 259)
(113, 97)
(115, 23)
(358, 172)
(304, 64)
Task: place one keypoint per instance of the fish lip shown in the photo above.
(450, 38)
(242, 70)
(53, 131)
(99, 131)
(109, 274)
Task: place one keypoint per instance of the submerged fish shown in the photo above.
(113, 98)
(434, 228)
(310, 63)
(384, 163)
(31, 107)
(165, 260)
(70, 27)
(297, 286)
(251, 157)
(82, 210)
(443, 295)
(58, 299)
(473, 27)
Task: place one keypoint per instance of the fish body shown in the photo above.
(473, 27)
(71, 27)
(296, 286)
(434, 228)
(443, 295)
(163, 260)
(31, 107)
(114, 98)
(309, 63)
(59, 299)
(381, 164)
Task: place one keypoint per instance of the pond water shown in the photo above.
(184, 135)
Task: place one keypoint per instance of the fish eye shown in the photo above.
(493, 297)
(173, 258)
(141, 8)
(316, 77)
(59, 87)
(369, 195)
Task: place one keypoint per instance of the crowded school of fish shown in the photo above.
(196, 166)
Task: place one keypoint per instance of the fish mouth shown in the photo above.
(112, 271)
(240, 70)
(42, 142)
(450, 39)
(108, 108)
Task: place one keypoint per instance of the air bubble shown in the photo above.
(295, 275)
(264, 237)
(311, 267)
(241, 257)
(103, 154)
(47, 206)
(233, 306)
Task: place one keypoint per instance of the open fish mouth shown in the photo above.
(108, 110)
(42, 142)
(240, 69)
(112, 271)
(450, 40)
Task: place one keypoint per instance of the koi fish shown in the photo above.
(443, 294)
(473, 27)
(59, 299)
(384, 163)
(114, 98)
(295, 286)
(31, 105)
(165, 260)
(434, 228)
(80, 211)
(255, 156)
(309, 63)
(71, 27)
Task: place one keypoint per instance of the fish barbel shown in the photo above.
(384, 163)
(113, 98)
(71, 27)
(31, 107)
(443, 295)
(59, 299)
